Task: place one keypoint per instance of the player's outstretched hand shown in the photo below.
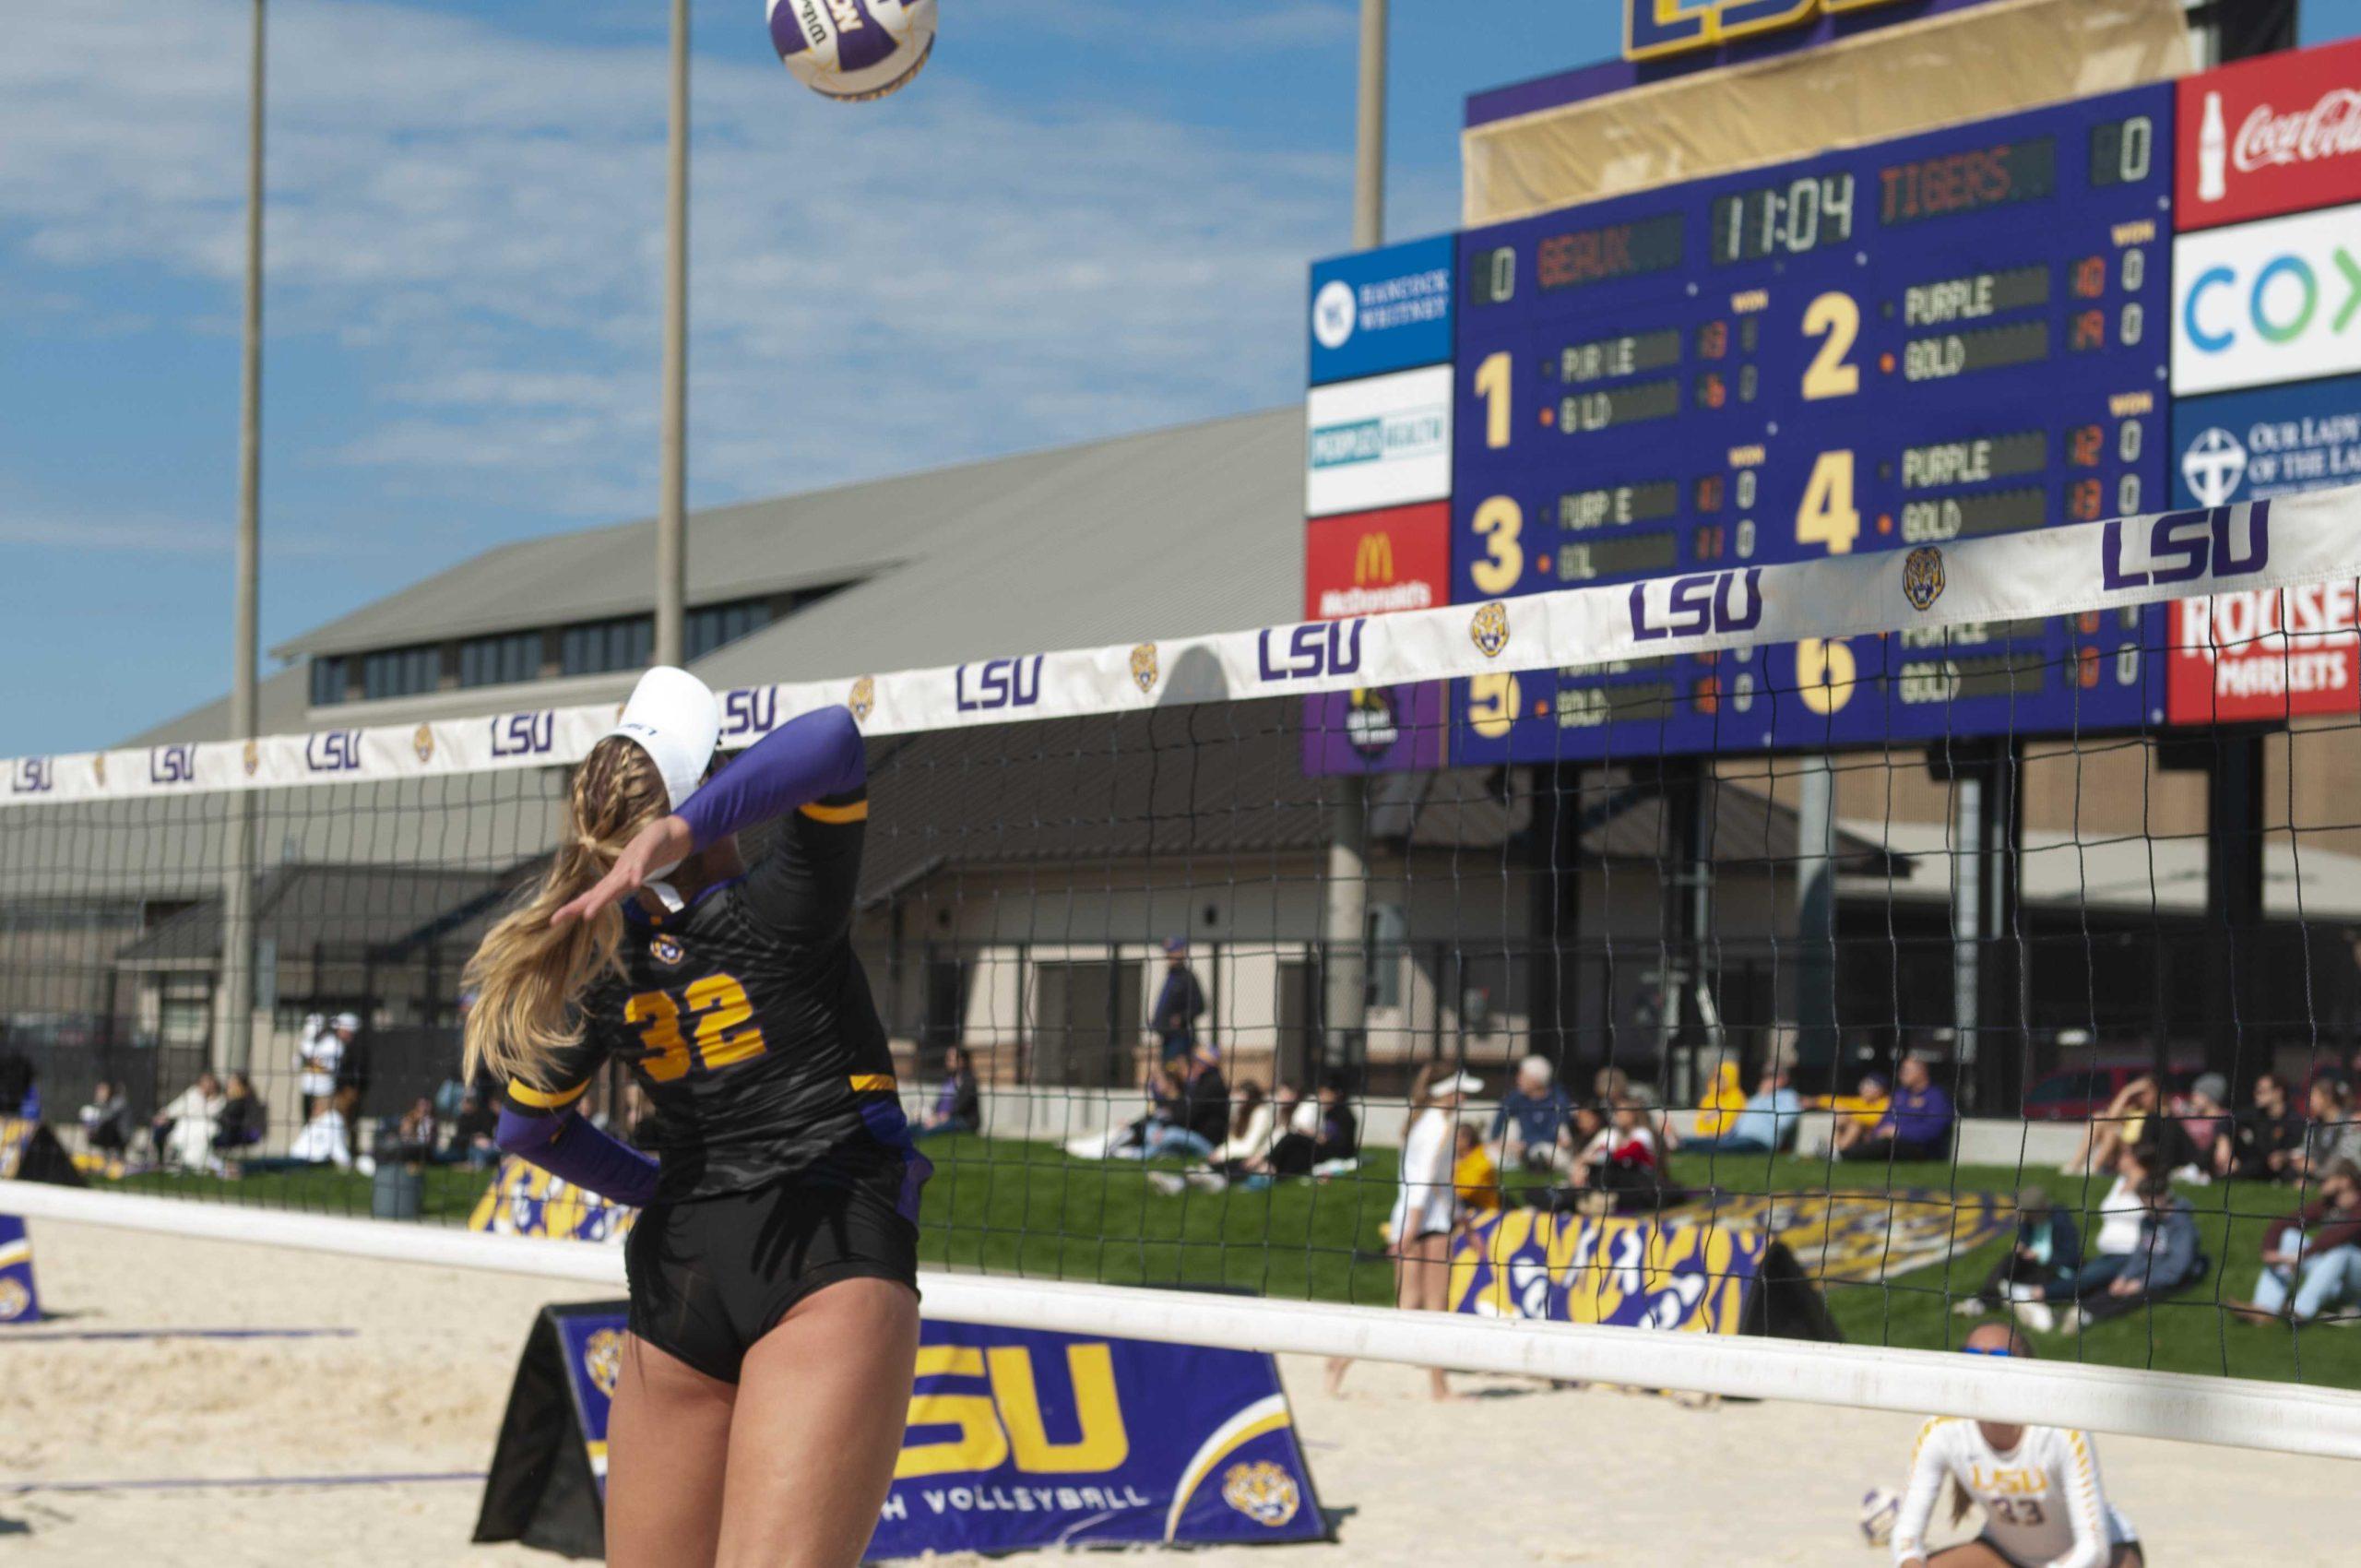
(661, 843)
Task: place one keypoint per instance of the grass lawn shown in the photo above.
(1027, 1208)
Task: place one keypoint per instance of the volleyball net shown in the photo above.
(1801, 964)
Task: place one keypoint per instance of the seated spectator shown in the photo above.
(1866, 1105)
(180, 1135)
(1474, 1177)
(471, 1134)
(1724, 1098)
(409, 1140)
(2123, 1123)
(1320, 1132)
(1204, 1107)
(2165, 1259)
(2261, 1140)
(1768, 1122)
(1340, 1136)
(241, 1122)
(2311, 1260)
(1622, 1156)
(1167, 1088)
(1917, 1125)
(2331, 1134)
(1612, 1085)
(1531, 1115)
(106, 1120)
(2204, 1117)
(1251, 1121)
(960, 1103)
(2046, 1254)
(326, 1139)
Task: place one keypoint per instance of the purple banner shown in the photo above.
(1379, 730)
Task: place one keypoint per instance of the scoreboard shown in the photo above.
(1960, 334)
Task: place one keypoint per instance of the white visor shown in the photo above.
(676, 720)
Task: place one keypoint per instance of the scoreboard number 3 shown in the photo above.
(1501, 521)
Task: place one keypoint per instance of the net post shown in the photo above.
(235, 1032)
(672, 502)
(1815, 968)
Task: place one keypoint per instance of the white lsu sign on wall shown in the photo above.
(1383, 441)
(2267, 302)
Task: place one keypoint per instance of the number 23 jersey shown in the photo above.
(2043, 1502)
(747, 1020)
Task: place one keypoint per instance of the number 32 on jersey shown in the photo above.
(720, 1018)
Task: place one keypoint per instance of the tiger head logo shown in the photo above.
(15, 1300)
(1144, 668)
(253, 757)
(667, 950)
(1490, 629)
(422, 741)
(99, 768)
(1263, 1492)
(602, 1358)
(863, 699)
(1922, 578)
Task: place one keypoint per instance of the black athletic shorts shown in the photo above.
(710, 1277)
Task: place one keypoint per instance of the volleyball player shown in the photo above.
(2039, 1488)
(773, 1306)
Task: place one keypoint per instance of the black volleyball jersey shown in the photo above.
(747, 1021)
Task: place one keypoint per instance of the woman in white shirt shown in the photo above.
(1419, 1228)
(2039, 1488)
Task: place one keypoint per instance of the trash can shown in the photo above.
(396, 1191)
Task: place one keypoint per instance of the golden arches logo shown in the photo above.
(1373, 560)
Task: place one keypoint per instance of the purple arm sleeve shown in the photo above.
(803, 760)
(573, 1150)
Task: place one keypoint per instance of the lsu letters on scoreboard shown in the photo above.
(1654, 29)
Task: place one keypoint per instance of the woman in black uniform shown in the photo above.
(774, 1302)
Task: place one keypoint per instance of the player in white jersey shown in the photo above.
(2039, 1488)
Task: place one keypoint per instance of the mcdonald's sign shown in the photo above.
(1375, 563)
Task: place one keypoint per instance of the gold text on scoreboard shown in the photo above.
(1653, 29)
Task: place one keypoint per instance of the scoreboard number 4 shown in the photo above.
(1828, 516)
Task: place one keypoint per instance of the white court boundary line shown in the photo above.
(2230, 1412)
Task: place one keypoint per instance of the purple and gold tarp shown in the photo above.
(524, 1200)
(1639, 1273)
(19, 1300)
(1022, 1438)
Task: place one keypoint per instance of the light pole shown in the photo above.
(671, 542)
(1346, 1000)
(238, 886)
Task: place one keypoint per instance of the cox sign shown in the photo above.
(2268, 303)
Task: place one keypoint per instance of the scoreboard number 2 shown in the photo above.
(1501, 521)
(1836, 320)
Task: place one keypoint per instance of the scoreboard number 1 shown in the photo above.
(1492, 385)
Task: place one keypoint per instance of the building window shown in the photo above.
(603, 646)
(718, 625)
(331, 681)
(401, 672)
(1388, 933)
(501, 660)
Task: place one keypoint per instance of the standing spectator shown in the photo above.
(471, 1135)
(2311, 1260)
(2165, 1259)
(2261, 1139)
(106, 1120)
(1531, 1115)
(181, 1133)
(1473, 1178)
(2331, 1134)
(960, 1103)
(318, 1052)
(1917, 1125)
(1425, 1207)
(1769, 1119)
(241, 1122)
(2048, 1252)
(1180, 1005)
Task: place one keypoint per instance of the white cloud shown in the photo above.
(474, 219)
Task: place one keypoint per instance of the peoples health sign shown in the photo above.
(1022, 1438)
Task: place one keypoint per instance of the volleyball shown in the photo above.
(853, 50)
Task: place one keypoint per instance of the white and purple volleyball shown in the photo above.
(853, 50)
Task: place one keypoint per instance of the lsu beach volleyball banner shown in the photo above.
(2085, 568)
(524, 1200)
(1019, 1439)
(19, 1300)
(1668, 1274)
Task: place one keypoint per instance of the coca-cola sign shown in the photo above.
(2269, 137)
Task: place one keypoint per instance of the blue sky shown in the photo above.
(1084, 219)
(1087, 218)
